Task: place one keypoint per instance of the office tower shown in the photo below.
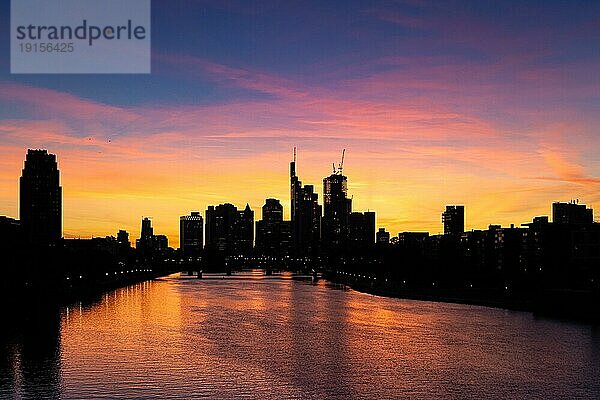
(272, 232)
(336, 208)
(40, 202)
(123, 238)
(361, 230)
(145, 243)
(160, 243)
(147, 230)
(191, 235)
(219, 226)
(228, 230)
(305, 215)
(454, 220)
(272, 211)
(296, 189)
(382, 237)
(286, 240)
(243, 233)
(571, 213)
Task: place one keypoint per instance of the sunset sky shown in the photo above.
(495, 105)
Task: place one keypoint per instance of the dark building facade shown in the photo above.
(361, 230)
(123, 238)
(191, 235)
(219, 227)
(305, 215)
(228, 230)
(146, 245)
(10, 233)
(273, 234)
(40, 201)
(454, 220)
(571, 213)
(382, 237)
(146, 234)
(244, 232)
(336, 210)
(561, 253)
(160, 243)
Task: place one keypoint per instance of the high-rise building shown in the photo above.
(243, 232)
(40, 202)
(145, 244)
(295, 191)
(305, 215)
(272, 211)
(382, 237)
(336, 210)
(229, 230)
(123, 238)
(147, 231)
(273, 235)
(160, 243)
(571, 213)
(219, 227)
(191, 234)
(361, 230)
(454, 220)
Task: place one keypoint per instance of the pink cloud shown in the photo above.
(51, 102)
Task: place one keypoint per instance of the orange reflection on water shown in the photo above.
(278, 338)
(122, 321)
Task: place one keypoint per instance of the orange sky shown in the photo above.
(488, 105)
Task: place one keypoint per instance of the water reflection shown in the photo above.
(280, 338)
(30, 364)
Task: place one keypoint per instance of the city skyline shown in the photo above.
(300, 199)
(496, 104)
(453, 219)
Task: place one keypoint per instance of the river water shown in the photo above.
(257, 337)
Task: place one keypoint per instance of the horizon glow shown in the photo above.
(494, 106)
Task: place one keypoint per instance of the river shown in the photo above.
(277, 337)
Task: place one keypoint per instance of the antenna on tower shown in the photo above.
(294, 154)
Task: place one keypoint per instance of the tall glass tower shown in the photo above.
(40, 201)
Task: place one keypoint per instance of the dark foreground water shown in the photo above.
(278, 338)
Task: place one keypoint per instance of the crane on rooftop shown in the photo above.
(340, 167)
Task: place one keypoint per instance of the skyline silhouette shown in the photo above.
(340, 199)
(494, 105)
(540, 265)
(453, 219)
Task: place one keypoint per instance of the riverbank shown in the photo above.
(75, 289)
(562, 304)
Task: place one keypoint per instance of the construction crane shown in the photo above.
(341, 166)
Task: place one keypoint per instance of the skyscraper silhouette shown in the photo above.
(273, 234)
(382, 237)
(361, 230)
(571, 213)
(244, 232)
(145, 244)
(123, 238)
(191, 234)
(40, 202)
(306, 215)
(228, 230)
(336, 209)
(454, 220)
